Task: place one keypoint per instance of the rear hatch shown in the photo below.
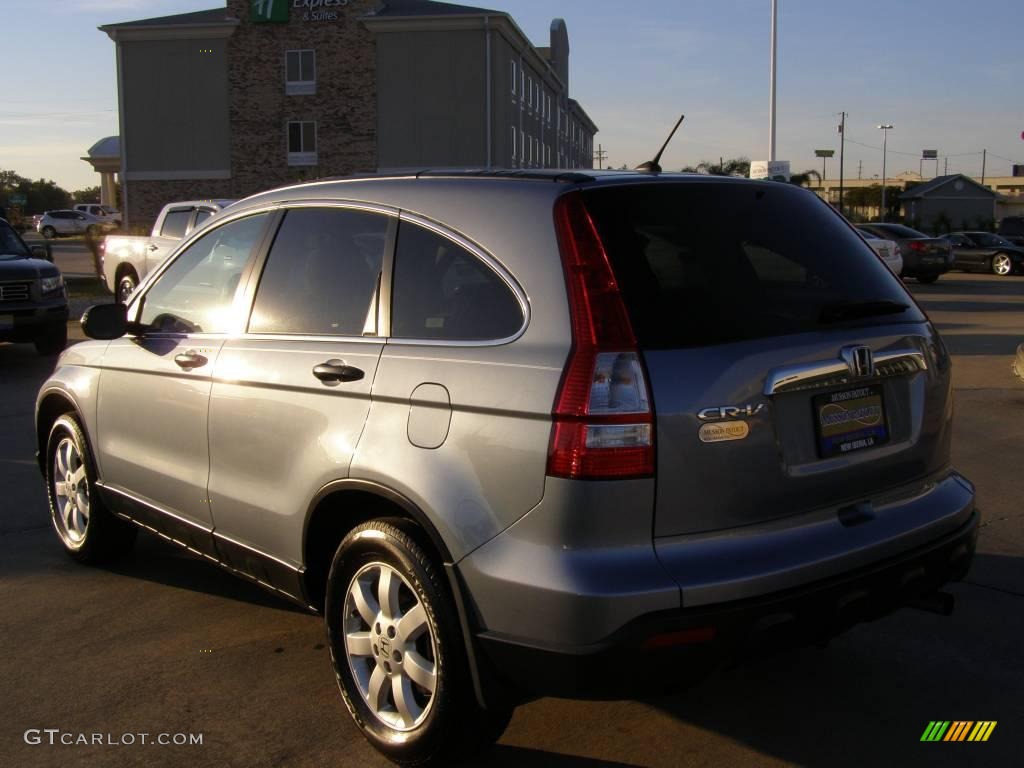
(789, 369)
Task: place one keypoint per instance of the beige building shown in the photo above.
(227, 102)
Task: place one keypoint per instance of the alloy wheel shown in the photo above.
(390, 646)
(1001, 264)
(71, 491)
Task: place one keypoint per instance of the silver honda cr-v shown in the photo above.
(519, 434)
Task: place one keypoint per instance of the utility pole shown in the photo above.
(860, 169)
(945, 172)
(842, 151)
(984, 156)
(600, 155)
(775, 40)
(884, 128)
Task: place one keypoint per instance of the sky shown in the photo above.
(946, 73)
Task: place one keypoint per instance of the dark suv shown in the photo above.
(522, 434)
(33, 302)
(1012, 228)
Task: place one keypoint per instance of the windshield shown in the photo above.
(11, 246)
(714, 263)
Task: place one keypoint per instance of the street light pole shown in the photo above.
(771, 95)
(885, 128)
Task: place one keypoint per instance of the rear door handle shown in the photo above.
(189, 360)
(336, 370)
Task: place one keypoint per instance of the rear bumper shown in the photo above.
(661, 650)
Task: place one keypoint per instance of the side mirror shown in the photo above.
(41, 252)
(105, 321)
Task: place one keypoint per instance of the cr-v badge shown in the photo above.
(721, 425)
(730, 412)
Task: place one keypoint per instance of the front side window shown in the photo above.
(195, 293)
(176, 223)
(322, 274)
(302, 143)
(300, 72)
(443, 291)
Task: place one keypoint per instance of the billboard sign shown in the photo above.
(776, 170)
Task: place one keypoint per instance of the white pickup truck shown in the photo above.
(126, 260)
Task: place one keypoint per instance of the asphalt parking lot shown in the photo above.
(165, 643)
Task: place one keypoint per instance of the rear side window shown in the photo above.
(322, 274)
(202, 215)
(443, 291)
(175, 223)
(713, 263)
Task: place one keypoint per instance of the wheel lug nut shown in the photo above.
(397, 657)
(377, 628)
(387, 667)
(391, 632)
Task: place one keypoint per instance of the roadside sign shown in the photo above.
(929, 154)
(776, 170)
(17, 198)
(824, 153)
(264, 11)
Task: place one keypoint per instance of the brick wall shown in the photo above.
(344, 106)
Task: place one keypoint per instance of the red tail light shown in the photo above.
(917, 245)
(603, 425)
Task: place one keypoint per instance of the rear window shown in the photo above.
(713, 263)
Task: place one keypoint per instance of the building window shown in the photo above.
(529, 92)
(302, 143)
(300, 73)
(514, 145)
(515, 80)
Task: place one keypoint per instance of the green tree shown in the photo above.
(87, 195)
(804, 179)
(734, 166)
(42, 194)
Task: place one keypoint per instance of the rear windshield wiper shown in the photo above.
(849, 310)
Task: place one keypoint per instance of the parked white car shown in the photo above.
(67, 222)
(101, 212)
(888, 251)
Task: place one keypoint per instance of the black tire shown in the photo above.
(103, 536)
(48, 232)
(126, 284)
(53, 342)
(927, 279)
(453, 725)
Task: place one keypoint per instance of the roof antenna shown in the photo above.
(651, 166)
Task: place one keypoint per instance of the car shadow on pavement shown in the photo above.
(502, 756)
(161, 562)
(868, 697)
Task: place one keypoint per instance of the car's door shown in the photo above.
(290, 396)
(961, 251)
(80, 222)
(154, 388)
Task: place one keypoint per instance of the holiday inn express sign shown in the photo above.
(279, 11)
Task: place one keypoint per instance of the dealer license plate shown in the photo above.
(849, 421)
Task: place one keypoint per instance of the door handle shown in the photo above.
(153, 246)
(336, 370)
(189, 360)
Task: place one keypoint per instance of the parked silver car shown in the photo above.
(66, 222)
(578, 434)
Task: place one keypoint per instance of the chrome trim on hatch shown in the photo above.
(830, 373)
